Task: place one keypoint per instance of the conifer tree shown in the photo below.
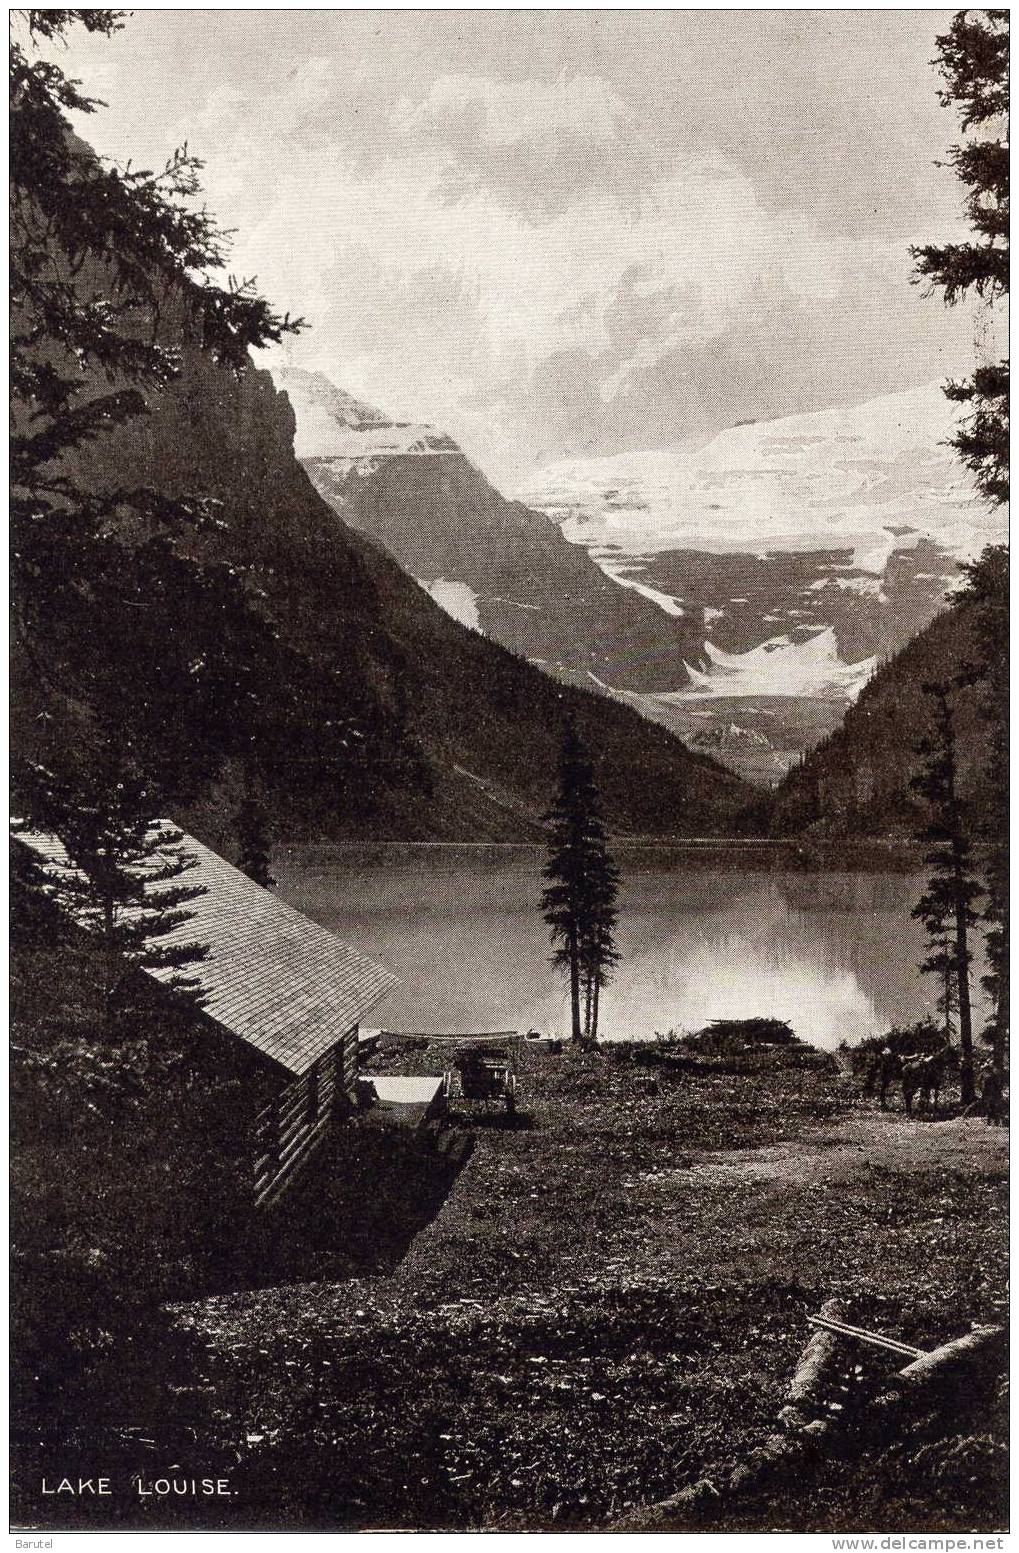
(125, 884)
(254, 834)
(108, 266)
(986, 593)
(940, 962)
(974, 64)
(97, 252)
(600, 954)
(579, 901)
(946, 908)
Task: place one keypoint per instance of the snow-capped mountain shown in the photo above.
(755, 582)
(495, 565)
(333, 424)
(808, 547)
(870, 479)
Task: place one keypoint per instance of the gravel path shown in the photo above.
(865, 1139)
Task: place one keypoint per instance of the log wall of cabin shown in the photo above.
(291, 1128)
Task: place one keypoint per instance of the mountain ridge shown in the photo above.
(473, 731)
(861, 475)
(853, 520)
(492, 562)
(777, 635)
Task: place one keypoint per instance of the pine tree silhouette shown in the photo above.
(579, 901)
(947, 906)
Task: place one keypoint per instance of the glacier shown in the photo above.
(778, 667)
(869, 478)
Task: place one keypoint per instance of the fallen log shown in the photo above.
(821, 1359)
(965, 1360)
(806, 1441)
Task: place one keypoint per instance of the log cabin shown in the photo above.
(282, 1000)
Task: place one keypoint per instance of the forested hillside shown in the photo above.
(856, 782)
(377, 713)
(215, 619)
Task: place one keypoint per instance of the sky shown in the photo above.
(565, 233)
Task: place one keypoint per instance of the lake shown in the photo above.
(704, 933)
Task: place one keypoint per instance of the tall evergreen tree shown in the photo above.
(97, 253)
(108, 266)
(973, 62)
(987, 595)
(254, 834)
(579, 900)
(126, 884)
(947, 905)
(600, 954)
(940, 962)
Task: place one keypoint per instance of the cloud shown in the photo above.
(537, 145)
(600, 329)
(436, 309)
(639, 248)
(504, 113)
(676, 372)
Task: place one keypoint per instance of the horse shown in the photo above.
(992, 1099)
(923, 1077)
(884, 1070)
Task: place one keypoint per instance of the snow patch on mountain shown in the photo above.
(456, 598)
(363, 449)
(866, 587)
(871, 478)
(779, 667)
(841, 528)
(333, 424)
(621, 574)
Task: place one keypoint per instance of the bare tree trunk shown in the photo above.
(589, 979)
(577, 1033)
(966, 1084)
(111, 970)
(594, 1019)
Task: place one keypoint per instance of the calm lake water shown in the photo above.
(704, 935)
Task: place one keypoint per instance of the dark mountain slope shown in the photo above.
(534, 591)
(856, 783)
(472, 730)
(798, 617)
(493, 563)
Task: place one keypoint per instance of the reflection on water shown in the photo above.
(834, 953)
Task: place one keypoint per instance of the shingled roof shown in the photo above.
(288, 987)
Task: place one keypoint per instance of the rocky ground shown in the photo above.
(609, 1304)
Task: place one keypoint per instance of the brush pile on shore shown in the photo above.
(728, 1046)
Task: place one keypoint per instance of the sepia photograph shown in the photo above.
(509, 773)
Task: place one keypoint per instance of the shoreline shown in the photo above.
(639, 854)
(796, 843)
